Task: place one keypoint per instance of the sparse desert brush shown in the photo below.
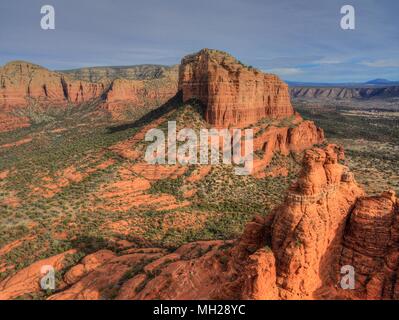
(370, 140)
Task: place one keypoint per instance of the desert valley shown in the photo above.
(76, 193)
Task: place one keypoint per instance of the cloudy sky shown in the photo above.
(299, 40)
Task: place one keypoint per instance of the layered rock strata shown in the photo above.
(233, 94)
(371, 246)
(21, 81)
(24, 84)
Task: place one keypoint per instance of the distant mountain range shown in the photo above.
(370, 83)
(376, 88)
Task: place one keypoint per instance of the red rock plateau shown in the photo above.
(233, 94)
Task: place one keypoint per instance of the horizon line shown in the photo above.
(176, 64)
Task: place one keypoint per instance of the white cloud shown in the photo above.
(326, 60)
(382, 63)
(285, 71)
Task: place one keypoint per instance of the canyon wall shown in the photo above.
(21, 81)
(232, 94)
(142, 92)
(24, 84)
(371, 246)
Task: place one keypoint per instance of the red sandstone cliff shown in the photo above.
(140, 93)
(23, 84)
(284, 140)
(371, 246)
(21, 81)
(233, 94)
(325, 223)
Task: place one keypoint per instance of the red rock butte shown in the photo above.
(232, 93)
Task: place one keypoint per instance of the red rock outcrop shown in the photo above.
(284, 140)
(79, 91)
(9, 122)
(98, 283)
(21, 81)
(326, 223)
(88, 263)
(233, 94)
(23, 84)
(27, 280)
(307, 229)
(371, 246)
(192, 272)
(139, 93)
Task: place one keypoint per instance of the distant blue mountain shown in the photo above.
(371, 83)
(382, 82)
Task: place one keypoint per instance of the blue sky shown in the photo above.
(298, 40)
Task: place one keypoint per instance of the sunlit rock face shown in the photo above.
(233, 94)
(21, 81)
